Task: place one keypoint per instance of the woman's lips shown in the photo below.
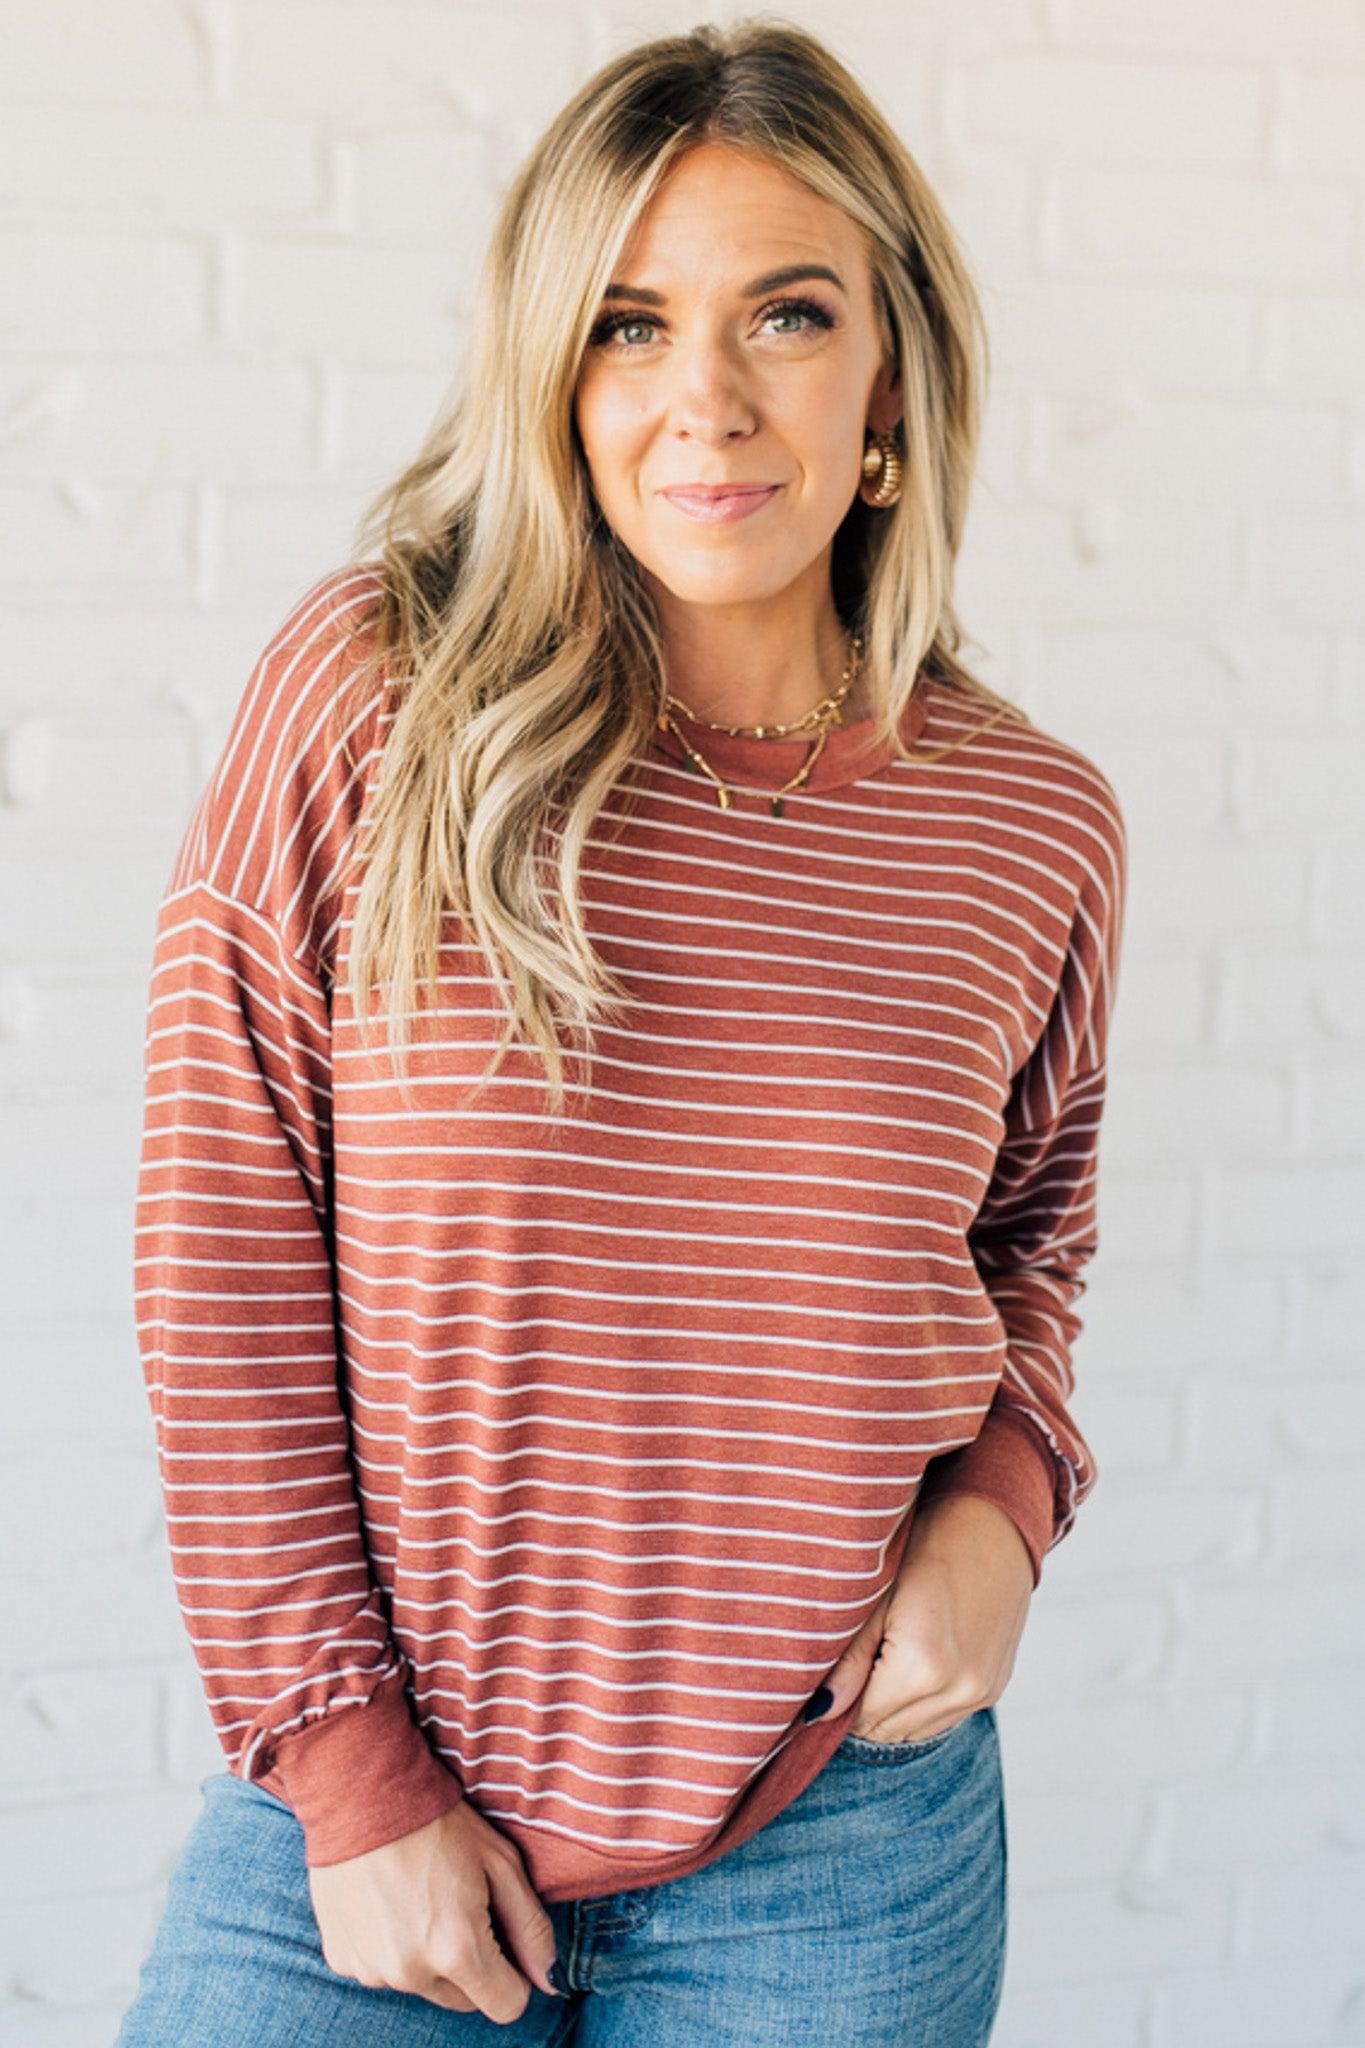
(722, 506)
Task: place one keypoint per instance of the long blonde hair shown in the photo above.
(516, 631)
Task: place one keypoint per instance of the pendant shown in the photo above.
(778, 808)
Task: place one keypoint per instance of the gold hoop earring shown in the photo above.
(882, 471)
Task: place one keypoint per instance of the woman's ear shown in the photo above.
(884, 407)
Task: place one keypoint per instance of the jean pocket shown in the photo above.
(863, 1749)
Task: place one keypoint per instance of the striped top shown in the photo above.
(554, 1464)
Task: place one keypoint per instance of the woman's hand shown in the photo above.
(941, 1641)
(417, 1915)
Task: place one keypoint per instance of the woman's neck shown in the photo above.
(789, 690)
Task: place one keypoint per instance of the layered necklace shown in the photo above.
(819, 721)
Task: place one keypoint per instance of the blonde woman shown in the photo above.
(625, 1058)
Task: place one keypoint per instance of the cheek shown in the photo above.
(612, 437)
(821, 423)
(831, 419)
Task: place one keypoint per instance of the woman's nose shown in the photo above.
(710, 396)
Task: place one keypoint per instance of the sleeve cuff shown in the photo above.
(1008, 1463)
(360, 1776)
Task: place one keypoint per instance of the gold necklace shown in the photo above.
(824, 715)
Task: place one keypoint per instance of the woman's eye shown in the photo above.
(794, 310)
(806, 310)
(616, 324)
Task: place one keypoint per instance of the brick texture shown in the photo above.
(235, 271)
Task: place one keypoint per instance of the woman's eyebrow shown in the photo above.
(769, 282)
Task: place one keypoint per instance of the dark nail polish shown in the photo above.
(557, 1977)
(819, 1703)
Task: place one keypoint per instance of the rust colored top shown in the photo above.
(553, 1464)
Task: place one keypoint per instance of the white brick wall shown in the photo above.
(237, 240)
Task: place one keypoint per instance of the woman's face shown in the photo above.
(703, 369)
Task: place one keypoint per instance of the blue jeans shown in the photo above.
(869, 1913)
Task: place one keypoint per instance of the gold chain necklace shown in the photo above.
(824, 715)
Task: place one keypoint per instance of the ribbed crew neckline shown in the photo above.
(850, 752)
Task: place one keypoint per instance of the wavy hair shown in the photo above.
(516, 631)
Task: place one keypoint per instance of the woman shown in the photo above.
(605, 1515)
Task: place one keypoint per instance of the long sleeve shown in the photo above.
(1037, 1231)
(234, 1296)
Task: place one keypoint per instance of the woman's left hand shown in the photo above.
(944, 1634)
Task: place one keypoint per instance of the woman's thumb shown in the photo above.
(528, 1927)
(850, 1674)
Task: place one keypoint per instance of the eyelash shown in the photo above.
(605, 328)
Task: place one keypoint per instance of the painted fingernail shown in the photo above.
(819, 1703)
(556, 1976)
